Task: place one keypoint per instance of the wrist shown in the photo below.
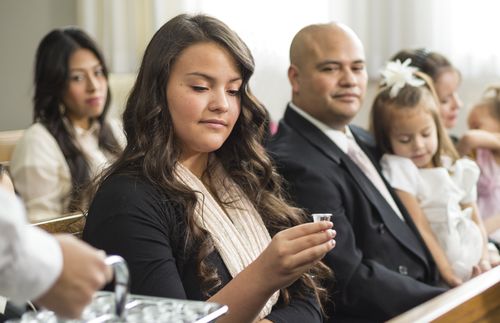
(445, 270)
(259, 283)
(484, 261)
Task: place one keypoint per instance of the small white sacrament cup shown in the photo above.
(321, 217)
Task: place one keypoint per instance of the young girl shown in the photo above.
(194, 204)
(445, 77)
(483, 142)
(71, 140)
(420, 162)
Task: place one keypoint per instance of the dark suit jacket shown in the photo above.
(381, 265)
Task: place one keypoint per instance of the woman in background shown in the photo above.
(446, 79)
(194, 204)
(70, 140)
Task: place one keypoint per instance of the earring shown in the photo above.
(62, 109)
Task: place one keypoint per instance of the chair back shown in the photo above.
(8, 141)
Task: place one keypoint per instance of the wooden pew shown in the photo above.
(70, 223)
(477, 300)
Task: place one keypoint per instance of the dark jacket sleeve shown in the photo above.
(128, 218)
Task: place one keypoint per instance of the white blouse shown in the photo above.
(440, 191)
(30, 259)
(41, 174)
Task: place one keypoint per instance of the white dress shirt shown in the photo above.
(30, 259)
(340, 138)
(41, 174)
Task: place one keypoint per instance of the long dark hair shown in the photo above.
(153, 149)
(51, 82)
(430, 63)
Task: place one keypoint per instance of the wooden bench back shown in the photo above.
(71, 223)
(477, 300)
(8, 141)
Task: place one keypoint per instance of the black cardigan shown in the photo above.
(130, 218)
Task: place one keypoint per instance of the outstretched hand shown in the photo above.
(477, 138)
(84, 272)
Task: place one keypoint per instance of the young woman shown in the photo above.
(70, 140)
(437, 188)
(194, 204)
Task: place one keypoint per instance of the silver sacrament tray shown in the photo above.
(119, 306)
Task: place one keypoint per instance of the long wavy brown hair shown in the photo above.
(153, 148)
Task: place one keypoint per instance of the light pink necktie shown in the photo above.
(364, 163)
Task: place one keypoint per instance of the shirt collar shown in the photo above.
(340, 138)
(78, 132)
(92, 130)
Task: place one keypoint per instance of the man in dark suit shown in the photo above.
(382, 267)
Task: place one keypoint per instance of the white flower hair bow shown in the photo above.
(397, 74)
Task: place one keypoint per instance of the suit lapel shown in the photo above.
(401, 230)
(313, 135)
(318, 139)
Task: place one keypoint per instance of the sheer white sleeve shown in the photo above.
(30, 259)
(401, 173)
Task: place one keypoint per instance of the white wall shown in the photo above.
(22, 25)
(24, 22)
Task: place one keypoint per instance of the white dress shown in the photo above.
(440, 192)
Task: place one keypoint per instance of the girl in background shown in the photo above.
(420, 162)
(70, 140)
(483, 142)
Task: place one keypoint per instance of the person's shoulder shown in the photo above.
(467, 168)
(36, 146)
(401, 173)
(37, 132)
(390, 160)
(132, 195)
(132, 188)
(130, 185)
(37, 128)
(279, 152)
(466, 162)
(363, 135)
(283, 133)
(285, 141)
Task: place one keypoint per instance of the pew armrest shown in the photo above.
(71, 223)
(476, 300)
(8, 141)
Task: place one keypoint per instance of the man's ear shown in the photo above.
(293, 77)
